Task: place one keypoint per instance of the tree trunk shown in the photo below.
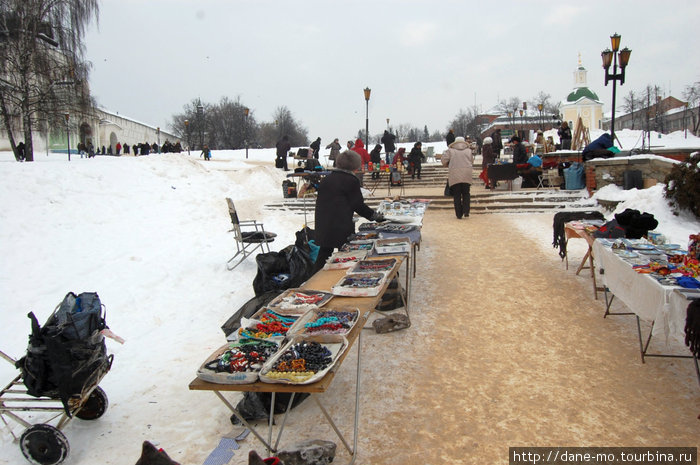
(28, 141)
(8, 128)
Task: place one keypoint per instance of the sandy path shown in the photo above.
(507, 348)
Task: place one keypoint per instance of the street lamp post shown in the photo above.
(187, 130)
(539, 109)
(367, 92)
(387, 124)
(200, 119)
(611, 56)
(67, 115)
(510, 117)
(158, 136)
(685, 125)
(245, 130)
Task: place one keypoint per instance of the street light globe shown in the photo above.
(367, 92)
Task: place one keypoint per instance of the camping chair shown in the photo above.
(430, 153)
(247, 241)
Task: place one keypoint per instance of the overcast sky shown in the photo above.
(423, 59)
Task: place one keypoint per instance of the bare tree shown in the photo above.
(42, 72)
(632, 105)
(287, 125)
(691, 94)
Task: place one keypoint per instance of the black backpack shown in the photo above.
(68, 352)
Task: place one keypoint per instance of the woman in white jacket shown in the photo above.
(459, 158)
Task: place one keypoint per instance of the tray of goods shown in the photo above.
(363, 236)
(297, 301)
(237, 363)
(341, 260)
(622, 253)
(359, 285)
(354, 246)
(328, 320)
(266, 324)
(668, 247)
(304, 359)
(374, 265)
(395, 245)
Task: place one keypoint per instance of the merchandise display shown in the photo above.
(237, 363)
(344, 259)
(265, 324)
(377, 265)
(359, 284)
(326, 321)
(355, 246)
(297, 301)
(395, 245)
(303, 360)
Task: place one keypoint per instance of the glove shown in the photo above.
(378, 217)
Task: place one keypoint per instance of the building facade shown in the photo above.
(582, 102)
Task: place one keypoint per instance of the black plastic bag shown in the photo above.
(248, 309)
(285, 269)
(256, 405)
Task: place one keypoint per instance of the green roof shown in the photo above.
(580, 93)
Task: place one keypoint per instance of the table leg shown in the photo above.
(243, 421)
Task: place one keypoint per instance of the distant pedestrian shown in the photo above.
(415, 158)
(497, 142)
(488, 158)
(20, 152)
(126, 148)
(389, 141)
(359, 148)
(459, 158)
(315, 148)
(335, 150)
(283, 147)
(206, 153)
(450, 137)
(564, 133)
(375, 157)
(119, 148)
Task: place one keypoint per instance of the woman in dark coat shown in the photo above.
(375, 157)
(339, 198)
(488, 158)
(415, 158)
(564, 133)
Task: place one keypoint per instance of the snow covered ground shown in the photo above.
(149, 234)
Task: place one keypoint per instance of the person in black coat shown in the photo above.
(519, 152)
(564, 133)
(497, 142)
(388, 139)
(283, 147)
(375, 157)
(339, 198)
(415, 158)
(450, 137)
(315, 147)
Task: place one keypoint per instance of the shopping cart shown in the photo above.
(41, 442)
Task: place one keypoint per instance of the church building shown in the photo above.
(582, 102)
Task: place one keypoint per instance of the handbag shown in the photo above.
(448, 190)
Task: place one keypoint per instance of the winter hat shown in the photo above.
(487, 140)
(348, 160)
(457, 139)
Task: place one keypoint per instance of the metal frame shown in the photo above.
(245, 246)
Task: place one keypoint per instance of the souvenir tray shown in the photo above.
(297, 301)
(209, 373)
(395, 245)
(374, 265)
(266, 324)
(338, 320)
(341, 260)
(357, 245)
(335, 345)
(363, 236)
(668, 247)
(359, 285)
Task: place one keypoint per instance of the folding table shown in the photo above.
(321, 281)
(572, 231)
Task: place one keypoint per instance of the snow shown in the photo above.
(150, 235)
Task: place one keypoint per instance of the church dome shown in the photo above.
(581, 92)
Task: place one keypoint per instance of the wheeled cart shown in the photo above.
(41, 443)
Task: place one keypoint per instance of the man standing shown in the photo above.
(388, 139)
(315, 147)
(283, 147)
(450, 137)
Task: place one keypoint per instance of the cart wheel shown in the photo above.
(95, 406)
(44, 445)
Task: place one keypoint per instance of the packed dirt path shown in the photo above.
(506, 348)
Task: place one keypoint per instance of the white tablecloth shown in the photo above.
(643, 294)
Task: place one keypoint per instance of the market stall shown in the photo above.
(360, 296)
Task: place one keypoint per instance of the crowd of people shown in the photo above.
(143, 148)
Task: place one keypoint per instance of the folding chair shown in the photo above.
(247, 241)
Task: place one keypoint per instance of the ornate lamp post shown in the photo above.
(187, 130)
(200, 119)
(246, 110)
(539, 108)
(387, 124)
(158, 136)
(611, 57)
(521, 123)
(367, 92)
(510, 117)
(67, 115)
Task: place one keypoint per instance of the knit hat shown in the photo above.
(348, 160)
(488, 140)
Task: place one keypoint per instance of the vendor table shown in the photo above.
(573, 231)
(646, 298)
(321, 281)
